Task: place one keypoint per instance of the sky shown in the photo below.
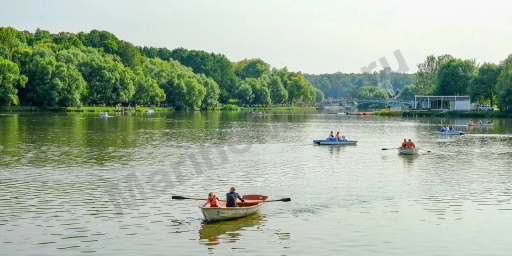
(315, 37)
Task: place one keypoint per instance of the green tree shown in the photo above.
(255, 68)
(8, 41)
(146, 89)
(426, 76)
(455, 77)
(244, 93)
(483, 87)
(278, 94)
(54, 84)
(319, 96)
(504, 86)
(108, 80)
(10, 80)
(407, 93)
(299, 89)
(370, 93)
(211, 98)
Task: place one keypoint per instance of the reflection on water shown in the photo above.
(409, 159)
(74, 183)
(229, 231)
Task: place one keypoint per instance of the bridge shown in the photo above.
(344, 102)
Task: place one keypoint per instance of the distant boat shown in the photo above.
(482, 124)
(258, 113)
(335, 142)
(104, 114)
(360, 113)
(448, 133)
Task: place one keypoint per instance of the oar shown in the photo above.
(279, 200)
(389, 148)
(204, 199)
(191, 198)
(428, 151)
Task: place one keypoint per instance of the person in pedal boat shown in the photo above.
(213, 200)
(338, 136)
(231, 198)
(330, 137)
(343, 138)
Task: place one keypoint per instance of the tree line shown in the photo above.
(377, 85)
(67, 69)
(487, 83)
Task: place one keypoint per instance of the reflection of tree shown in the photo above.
(209, 233)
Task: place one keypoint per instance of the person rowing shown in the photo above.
(231, 198)
(410, 144)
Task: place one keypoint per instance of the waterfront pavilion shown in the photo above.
(442, 102)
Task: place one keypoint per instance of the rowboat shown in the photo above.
(477, 124)
(334, 142)
(448, 133)
(408, 151)
(251, 205)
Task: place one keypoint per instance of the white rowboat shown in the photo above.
(251, 205)
(408, 151)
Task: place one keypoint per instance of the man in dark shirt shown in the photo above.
(231, 198)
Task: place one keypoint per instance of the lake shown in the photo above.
(73, 183)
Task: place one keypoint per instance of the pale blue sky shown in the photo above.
(319, 36)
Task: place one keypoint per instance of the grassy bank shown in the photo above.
(231, 107)
(226, 107)
(113, 109)
(467, 114)
(18, 109)
(82, 109)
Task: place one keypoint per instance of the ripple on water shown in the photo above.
(105, 188)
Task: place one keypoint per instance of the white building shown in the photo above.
(442, 102)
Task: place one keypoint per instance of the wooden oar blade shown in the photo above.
(179, 197)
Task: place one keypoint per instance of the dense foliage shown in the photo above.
(66, 69)
(441, 75)
(376, 85)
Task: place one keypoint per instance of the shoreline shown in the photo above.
(143, 109)
(431, 113)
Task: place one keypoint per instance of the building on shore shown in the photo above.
(442, 102)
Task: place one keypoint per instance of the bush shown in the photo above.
(230, 107)
(388, 113)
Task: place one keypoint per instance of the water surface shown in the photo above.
(76, 183)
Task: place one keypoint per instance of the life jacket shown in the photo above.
(213, 201)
